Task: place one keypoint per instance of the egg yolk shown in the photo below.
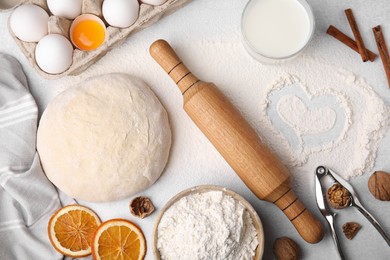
(88, 35)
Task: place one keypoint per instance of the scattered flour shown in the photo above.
(209, 225)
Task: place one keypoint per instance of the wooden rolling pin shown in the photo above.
(237, 142)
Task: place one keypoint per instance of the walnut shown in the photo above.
(350, 229)
(286, 249)
(379, 185)
(141, 207)
(338, 196)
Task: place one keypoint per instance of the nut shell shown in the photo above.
(286, 249)
(338, 196)
(350, 229)
(141, 207)
(379, 185)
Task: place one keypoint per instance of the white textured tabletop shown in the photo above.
(206, 34)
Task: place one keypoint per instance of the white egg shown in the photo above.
(54, 54)
(69, 9)
(153, 2)
(120, 13)
(29, 23)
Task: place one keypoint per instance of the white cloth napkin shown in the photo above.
(27, 198)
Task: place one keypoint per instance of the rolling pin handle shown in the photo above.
(307, 225)
(166, 57)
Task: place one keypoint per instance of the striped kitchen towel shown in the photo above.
(27, 198)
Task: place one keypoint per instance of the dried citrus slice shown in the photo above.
(71, 230)
(118, 239)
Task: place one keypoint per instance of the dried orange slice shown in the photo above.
(118, 239)
(71, 230)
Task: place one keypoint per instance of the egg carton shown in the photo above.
(115, 36)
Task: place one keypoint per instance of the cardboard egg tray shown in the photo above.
(83, 59)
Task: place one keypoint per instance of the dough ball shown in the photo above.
(105, 139)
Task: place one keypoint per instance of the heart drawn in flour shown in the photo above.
(308, 121)
(305, 119)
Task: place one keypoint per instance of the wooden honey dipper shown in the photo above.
(237, 142)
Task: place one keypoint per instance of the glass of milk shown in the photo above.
(276, 30)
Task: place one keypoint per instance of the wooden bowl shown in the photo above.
(206, 188)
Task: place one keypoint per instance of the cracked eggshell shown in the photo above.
(120, 13)
(29, 22)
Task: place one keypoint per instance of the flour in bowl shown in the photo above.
(209, 225)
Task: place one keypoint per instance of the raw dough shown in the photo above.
(105, 139)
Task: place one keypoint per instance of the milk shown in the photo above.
(276, 28)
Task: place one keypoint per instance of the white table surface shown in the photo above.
(193, 160)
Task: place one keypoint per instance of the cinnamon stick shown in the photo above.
(383, 51)
(358, 37)
(336, 33)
